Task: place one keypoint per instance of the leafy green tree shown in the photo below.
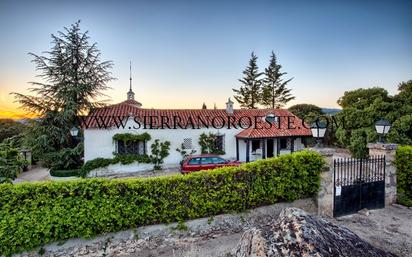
(403, 100)
(10, 128)
(362, 98)
(249, 94)
(160, 150)
(363, 107)
(73, 77)
(401, 131)
(303, 110)
(275, 94)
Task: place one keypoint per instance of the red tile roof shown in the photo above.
(296, 129)
(218, 116)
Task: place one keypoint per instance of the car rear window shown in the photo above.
(207, 160)
(217, 160)
(194, 161)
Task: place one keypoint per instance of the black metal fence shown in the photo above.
(358, 184)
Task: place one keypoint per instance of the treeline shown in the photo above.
(361, 108)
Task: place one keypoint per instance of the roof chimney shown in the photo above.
(229, 106)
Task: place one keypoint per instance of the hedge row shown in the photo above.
(403, 162)
(33, 214)
(65, 173)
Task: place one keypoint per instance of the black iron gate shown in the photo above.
(358, 184)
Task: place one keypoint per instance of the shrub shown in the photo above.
(160, 150)
(185, 152)
(403, 162)
(11, 163)
(65, 173)
(65, 159)
(33, 214)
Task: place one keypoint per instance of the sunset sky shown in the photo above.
(185, 53)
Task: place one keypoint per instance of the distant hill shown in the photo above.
(330, 111)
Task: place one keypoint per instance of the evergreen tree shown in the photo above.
(73, 76)
(275, 94)
(248, 96)
(204, 106)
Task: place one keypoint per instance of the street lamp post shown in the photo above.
(74, 132)
(382, 127)
(318, 129)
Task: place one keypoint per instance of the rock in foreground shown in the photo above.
(297, 233)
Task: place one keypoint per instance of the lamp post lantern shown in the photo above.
(318, 129)
(382, 127)
(74, 132)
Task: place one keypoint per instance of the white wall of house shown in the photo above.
(99, 142)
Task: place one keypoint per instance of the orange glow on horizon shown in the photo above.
(16, 114)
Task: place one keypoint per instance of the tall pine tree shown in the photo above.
(73, 78)
(275, 94)
(248, 96)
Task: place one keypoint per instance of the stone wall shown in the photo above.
(136, 242)
(389, 151)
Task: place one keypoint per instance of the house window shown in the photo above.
(130, 147)
(255, 145)
(283, 143)
(187, 143)
(220, 142)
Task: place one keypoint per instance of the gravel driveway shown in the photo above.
(389, 229)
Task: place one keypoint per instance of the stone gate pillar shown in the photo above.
(324, 199)
(388, 150)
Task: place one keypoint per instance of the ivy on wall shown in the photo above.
(119, 158)
(129, 137)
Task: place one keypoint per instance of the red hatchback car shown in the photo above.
(205, 162)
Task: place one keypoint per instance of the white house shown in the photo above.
(243, 134)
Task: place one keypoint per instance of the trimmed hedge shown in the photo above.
(33, 214)
(65, 173)
(403, 162)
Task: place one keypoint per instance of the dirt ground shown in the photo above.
(220, 246)
(389, 229)
(38, 173)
